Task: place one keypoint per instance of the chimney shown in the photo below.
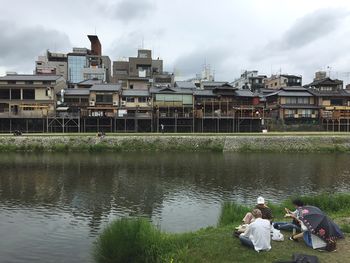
(96, 48)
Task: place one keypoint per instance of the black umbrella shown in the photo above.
(319, 223)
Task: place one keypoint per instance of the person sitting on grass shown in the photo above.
(258, 233)
(265, 211)
(310, 239)
(294, 225)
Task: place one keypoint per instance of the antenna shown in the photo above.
(143, 40)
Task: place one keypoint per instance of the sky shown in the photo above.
(273, 36)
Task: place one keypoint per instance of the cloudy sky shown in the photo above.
(288, 36)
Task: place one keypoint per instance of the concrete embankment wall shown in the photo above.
(198, 143)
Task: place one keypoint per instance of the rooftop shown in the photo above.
(25, 77)
(106, 87)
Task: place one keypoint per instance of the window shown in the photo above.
(130, 99)
(104, 98)
(46, 82)
(289, 113)
(11, 82)
(131, 86)
(142, 99)
(303, 100)
(28, 94)
(28, 108)
(4, 94)
(306, 113)
(337, 102)
(15, 94)
(4, 107)
(291, 100)
(29, 82)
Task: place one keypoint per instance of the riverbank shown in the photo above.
(272, 142)
(216, 244)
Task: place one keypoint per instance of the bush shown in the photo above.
(129, 240)
(329, 202)
(232, 213)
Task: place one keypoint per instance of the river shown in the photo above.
(52, 206)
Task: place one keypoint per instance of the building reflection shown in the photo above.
(99, 187)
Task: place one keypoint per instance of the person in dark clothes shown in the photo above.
(265, 211)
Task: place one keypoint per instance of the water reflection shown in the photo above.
(60, 202)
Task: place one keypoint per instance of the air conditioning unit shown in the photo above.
(115, 103)
(123, 103)
(92, 103)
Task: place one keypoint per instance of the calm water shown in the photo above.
(52, 206)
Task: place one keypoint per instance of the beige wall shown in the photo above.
(143, 85)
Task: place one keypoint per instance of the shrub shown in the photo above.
(129, 240)
(232, 213)
(329, 202)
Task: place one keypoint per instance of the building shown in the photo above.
(283, 80)
(52, 64)
(250, 80)
(104, 100)
(73, 102)
(29, 96)
(293, 105)
(86, 64)
(212, 84)
(141, 72)
(325, 84)
(135, 103)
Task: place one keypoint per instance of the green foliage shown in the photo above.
(60, 147)
(329, 203)
(345, 228)
(128, 240)
(232, 213)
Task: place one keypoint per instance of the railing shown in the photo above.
(175, 114)
(25, 115)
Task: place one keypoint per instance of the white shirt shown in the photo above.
(259, 232)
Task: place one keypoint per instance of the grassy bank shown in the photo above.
(277, 142)
(214, 244)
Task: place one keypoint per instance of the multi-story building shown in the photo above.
(104, 100)
(29, 96)
(140, 72)
(250, 80)
(52, 64)
(293, 103)
(282, 80)
(330, 96)
(85, 64)
(322, 83)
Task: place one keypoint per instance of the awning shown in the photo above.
(101, 108)
(33, 106)
(62, 109)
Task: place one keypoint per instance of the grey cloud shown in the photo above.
(306, 30)
(129, 10)
(189, 64)
(312, 27)
(20, 46)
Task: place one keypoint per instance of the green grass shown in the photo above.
(136, 241)
(214, 244)
(232, 213)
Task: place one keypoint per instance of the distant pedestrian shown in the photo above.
(162, 127)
